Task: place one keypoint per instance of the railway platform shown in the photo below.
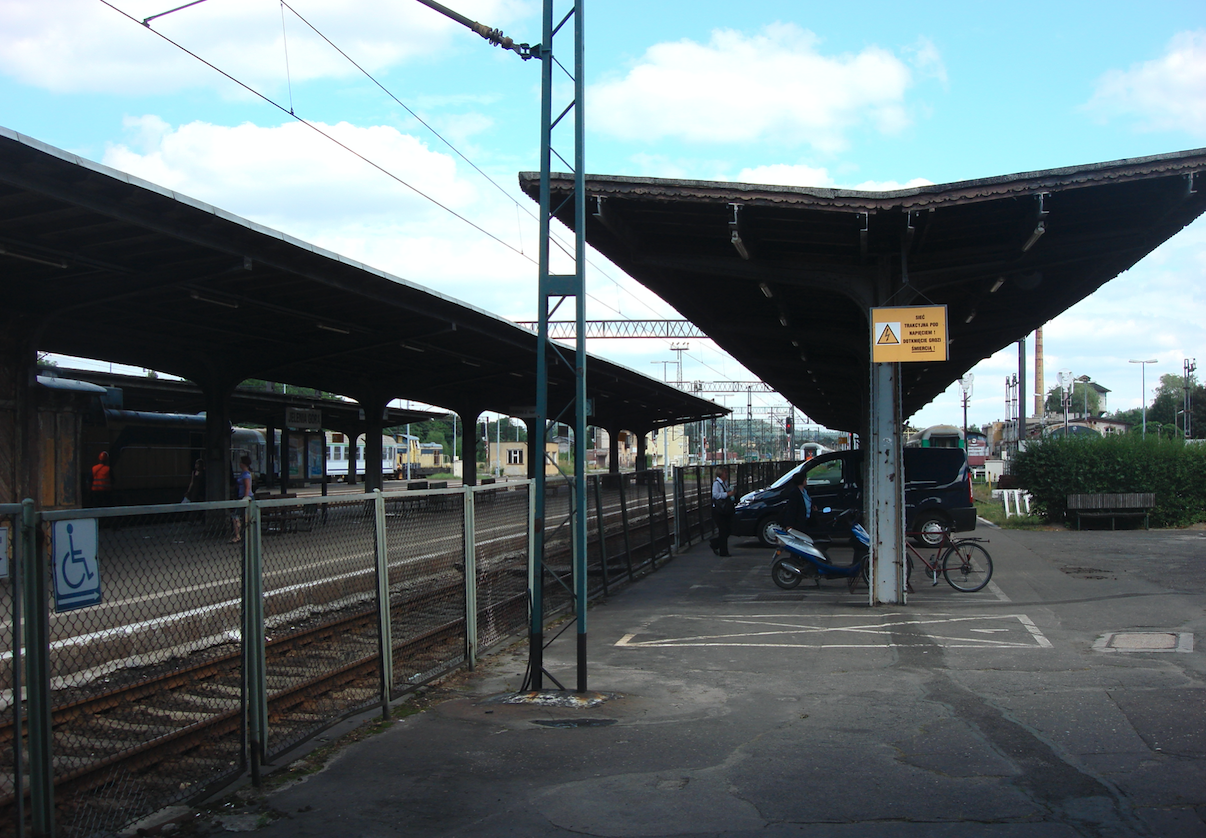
(1068, 698)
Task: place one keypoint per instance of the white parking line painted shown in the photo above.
(1006, 631)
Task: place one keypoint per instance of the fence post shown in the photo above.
(622, 483)
(600, 533)
(37, 676)
(532, 536)
(679, 492)
(384, 624)
(254, 668)
(470, 578)
(651, 518)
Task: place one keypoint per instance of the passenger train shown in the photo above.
(937, 436)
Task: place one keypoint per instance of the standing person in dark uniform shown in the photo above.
(798, 510)
(722, 512)
(102, 481)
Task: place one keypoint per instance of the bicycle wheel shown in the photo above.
(967, 566)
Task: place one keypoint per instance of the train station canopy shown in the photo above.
(249, 403)
(783, 278)
(109, 267)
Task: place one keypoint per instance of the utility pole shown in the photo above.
(555, 289)
(965, 384)
(1190, 366)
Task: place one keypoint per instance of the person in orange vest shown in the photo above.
(102, 481)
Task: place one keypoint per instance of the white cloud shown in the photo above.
(925, 57)
(784, 174)
(291, 179)
(775, 86)
(84, 46)
(1168, 93)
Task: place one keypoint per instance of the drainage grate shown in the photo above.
(1145, 641)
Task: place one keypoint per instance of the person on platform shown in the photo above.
(243, 482)
(722, 512)
(798, 509)
(195, 493)
(102, 481)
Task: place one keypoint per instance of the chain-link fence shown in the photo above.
(12, 747)
(221, 634)
(502, 533)
(425, 534)
(149, 675)
(320, 616)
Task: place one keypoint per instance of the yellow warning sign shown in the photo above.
(908, 333)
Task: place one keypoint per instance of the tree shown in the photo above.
(1166, 408)
(1082, 395)
(1133, 417)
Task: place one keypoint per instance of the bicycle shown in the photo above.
(965, 565)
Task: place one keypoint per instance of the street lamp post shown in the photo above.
(1143, 384)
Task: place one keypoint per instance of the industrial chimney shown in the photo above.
(1039, 393)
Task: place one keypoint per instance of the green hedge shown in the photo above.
(1051, 469)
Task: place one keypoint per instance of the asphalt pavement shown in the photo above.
(1066, 699)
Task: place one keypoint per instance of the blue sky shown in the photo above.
(869, 95)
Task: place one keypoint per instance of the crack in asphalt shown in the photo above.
(1072, 796)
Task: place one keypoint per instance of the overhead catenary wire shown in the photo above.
(292, 113)
(502, 190)
(319, 131)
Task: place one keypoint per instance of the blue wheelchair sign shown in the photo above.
(76, 569)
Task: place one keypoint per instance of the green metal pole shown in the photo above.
(471, 577)
(536, 577)
(37, 676)
(254, 642)
(384, 620)
(580, 283)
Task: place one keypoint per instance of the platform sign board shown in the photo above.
(302, 419)
(76, 572)
(908, 333)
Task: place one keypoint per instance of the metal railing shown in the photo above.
(693, 494)
(203, 657)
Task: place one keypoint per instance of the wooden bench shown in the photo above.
(282, 519)
(1105, 505)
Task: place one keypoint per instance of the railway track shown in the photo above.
(168, 729)
(191, 715)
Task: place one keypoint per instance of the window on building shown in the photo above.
(514, 456)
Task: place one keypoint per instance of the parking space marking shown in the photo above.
(996, 631)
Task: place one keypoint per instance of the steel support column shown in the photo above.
(554, 290)
(885, 485)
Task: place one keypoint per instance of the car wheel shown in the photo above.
(766, 532)
(929, 528)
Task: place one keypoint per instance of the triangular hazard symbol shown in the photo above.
(887, 337)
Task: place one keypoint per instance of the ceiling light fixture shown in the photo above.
(201, 298)
(59, 263)
(334, 329)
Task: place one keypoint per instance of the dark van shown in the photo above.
(937, 495)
